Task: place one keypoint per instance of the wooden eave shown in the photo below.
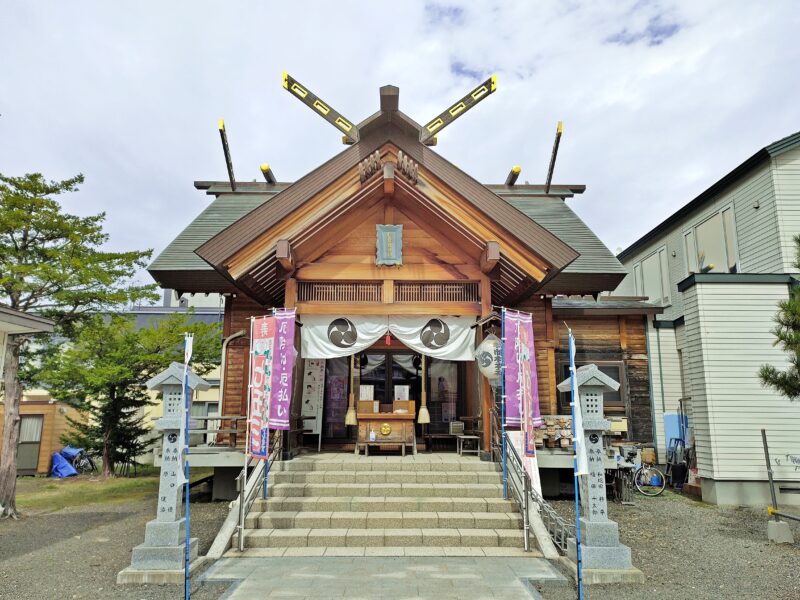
(222, 247)
(324, 219)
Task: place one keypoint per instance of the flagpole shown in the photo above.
(266, 458)
(187, 356)
(575, 466)
(503, 399)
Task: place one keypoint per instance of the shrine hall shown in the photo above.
(398, 264)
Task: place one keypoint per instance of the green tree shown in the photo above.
(787, 332)
(103, 371)
(52, 264)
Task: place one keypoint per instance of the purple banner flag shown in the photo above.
(283, 356)
(262, 335)
(521, 381)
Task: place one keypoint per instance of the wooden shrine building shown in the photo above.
(465, 248)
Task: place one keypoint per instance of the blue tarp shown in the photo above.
(61, 467)
(70, 453)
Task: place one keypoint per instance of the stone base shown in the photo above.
(600, 576)
(600, 547)
(164, 533)
(129, 575)
(616, 558)
(162, 558)
(779, 532)
(223, 486)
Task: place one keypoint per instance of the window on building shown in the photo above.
(711, 245)
(651, 277)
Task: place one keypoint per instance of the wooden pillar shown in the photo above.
(552, 341)
(290, 295)
(485, 388)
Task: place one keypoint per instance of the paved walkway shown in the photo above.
(368, 578)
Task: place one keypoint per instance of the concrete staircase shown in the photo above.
(345, 505)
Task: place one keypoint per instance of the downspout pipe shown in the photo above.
(650, 382)
(225, 343)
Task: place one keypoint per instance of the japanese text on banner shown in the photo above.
(283, 358)
(261, 352)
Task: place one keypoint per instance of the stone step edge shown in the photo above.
(464, 537)
(443, 519)
(380, 473)
(384, 501)
(385, 551)
(317, 467)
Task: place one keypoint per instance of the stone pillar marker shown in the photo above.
(160, 558)
(604, 558)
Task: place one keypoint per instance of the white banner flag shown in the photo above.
(581, 460)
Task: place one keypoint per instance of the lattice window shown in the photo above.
(436, 291)
(340, 291)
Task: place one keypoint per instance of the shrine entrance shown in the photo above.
(391, 374)
(389, 380)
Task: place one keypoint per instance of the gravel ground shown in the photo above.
(76, 553)
(697, 551)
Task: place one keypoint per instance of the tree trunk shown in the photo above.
(8, 451)
(108, 463)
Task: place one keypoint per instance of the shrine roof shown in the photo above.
(595, 269)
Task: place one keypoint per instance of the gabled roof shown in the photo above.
(178, 267)
(604, 305)
(236, 236)
(767, 152)
(173, 375)
(589, 375)
(595, 269)
(15, 321)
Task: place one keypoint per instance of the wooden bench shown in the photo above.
(367, 444)
(431, 437)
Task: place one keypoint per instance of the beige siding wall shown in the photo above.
(757, 233)
(786, 174)
(666, 380)
(686, 383)
(727, 339)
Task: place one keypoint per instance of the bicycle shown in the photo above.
(647, 479)
(84, 464)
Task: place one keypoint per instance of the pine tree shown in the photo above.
(103, 371)
(51, 264)
(787, 332)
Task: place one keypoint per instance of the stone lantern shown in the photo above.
(160, 559)
(604, 559)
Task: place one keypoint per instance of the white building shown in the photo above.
(719, 266)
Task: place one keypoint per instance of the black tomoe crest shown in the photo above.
(342, 333)
(435, 334)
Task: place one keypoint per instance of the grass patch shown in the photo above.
(43, 494)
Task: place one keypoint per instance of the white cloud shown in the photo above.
(659, 99)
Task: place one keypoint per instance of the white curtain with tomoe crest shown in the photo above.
(448, 338)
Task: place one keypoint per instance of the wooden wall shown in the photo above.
(615, 339)
(597, 338)
(238, 311)
(54, 425)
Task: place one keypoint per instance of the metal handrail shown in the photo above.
(520, 484)
(496, 445)
(258, 480)
(559, 529)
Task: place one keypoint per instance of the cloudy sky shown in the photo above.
(658, 99)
